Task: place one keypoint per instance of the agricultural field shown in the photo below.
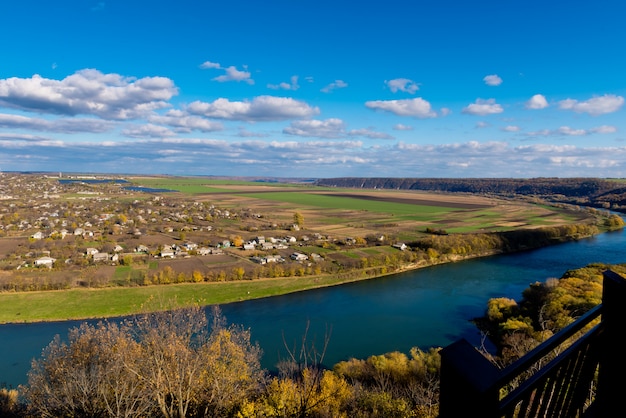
(350, 212)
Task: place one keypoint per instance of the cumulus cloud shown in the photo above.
(569, 131)
(595, 106)
(147, 131)
(418, 107)
(184, 122)
(262, 108)
(90, 92)
(402, 84)
(511, 128)
(337, 84)
(566, 130)
(332, 128)
(63, 125)
(292, 85)
(483, 107)
(369, 133)
(402, 127)
(538, 101)
(208, 65)
(492, 80)
(231, 72)
(313, 158)
(329, 128)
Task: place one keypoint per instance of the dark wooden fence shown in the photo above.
(581, 381)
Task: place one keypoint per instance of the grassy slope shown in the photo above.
(110, 302)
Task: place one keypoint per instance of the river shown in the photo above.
(421, 308)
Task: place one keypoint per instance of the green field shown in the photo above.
(113, 302)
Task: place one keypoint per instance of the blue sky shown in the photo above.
(299, 88)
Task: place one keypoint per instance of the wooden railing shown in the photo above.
(581, 381)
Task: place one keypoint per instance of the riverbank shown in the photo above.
(90, 303)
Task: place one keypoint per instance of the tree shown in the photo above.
(165, 363)
(88, 376)
(298, 219)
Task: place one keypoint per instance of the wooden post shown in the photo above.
(467, 379)
(612, 370)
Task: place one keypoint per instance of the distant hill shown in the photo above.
(595, 192)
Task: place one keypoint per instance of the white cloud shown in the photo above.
(569, 131)
(511, 128)
(63, 125)
(208, 65)
(332, 128)
(315, 158)
(538, 101)
(483, 107)
(417, 107)
(492, 80)
(262, 108)
(184, 122)
(147, 131)
(604, 129)
(292, 85)
(329, 128)
(369, 133)
(566, 130)
(337, 84)
(110, 96)
(595, 106)
(402, 127)
(402, 84)
(233, 74)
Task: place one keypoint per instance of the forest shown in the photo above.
(169, 364)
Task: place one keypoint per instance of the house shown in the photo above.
(299, 257)
(400, 246)
(167, 252)
(38, 235)
(45, 261)
(100, 257)
(204, 251)
(91, 251)
(248, 246)
(142, 249)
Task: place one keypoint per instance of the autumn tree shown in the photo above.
(166, 363)
(298, 219)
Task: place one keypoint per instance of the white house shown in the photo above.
(45, 261)
(299, 257)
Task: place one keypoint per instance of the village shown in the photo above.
(93, 227)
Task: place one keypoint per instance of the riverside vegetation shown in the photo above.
(164, 362)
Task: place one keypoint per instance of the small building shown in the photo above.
(45, 262)
(38, 235)
(100, 257)
(299, 257)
